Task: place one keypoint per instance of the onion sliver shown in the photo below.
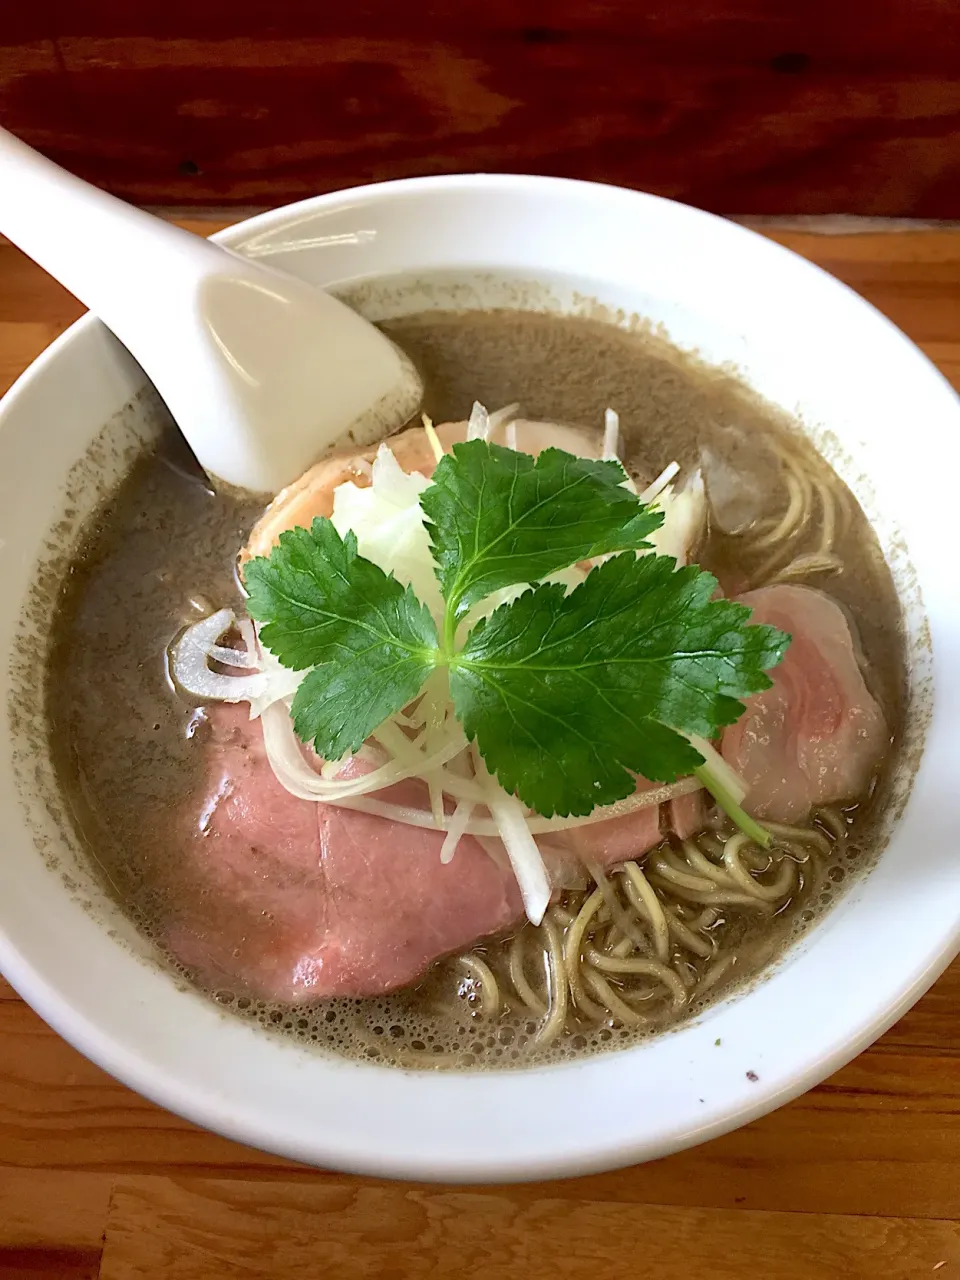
(654, 490)
(279, 683)
(525, 857)
(239, 658)
(478, 425)
(190, 662)
(457, 826)
(487, 828)
(467, 789)
(502, 418)
(639, 800)
(248, 634)
(292, 771)
(611, 436)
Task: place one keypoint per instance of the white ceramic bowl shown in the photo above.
(889, 423)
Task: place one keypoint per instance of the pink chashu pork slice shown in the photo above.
(290, 900)
(293, 900)
(818, 735)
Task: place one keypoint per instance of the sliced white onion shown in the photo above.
(435, 792)
(632, 804)
(280, 683)
(486, 829)
(410, 752)
(611, 436)
(406, 751)
(409, 815)
(684, 514)
(293, 772)
(248, 634)
(415, 720)
(525, 858)
(455, 830)
(279, 688)
(388, 522)
(239, 658)
(521, 848)
(663, 479)
(493, 848)
(502, 417)
(392, 483)
(433, 440)
(190, 662)
(511, 437)
(286, 759)
(470, 789)
(478, 426)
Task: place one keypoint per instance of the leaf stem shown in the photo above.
(749, 826)
(449, 631)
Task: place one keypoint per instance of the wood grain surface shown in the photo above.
(742, 106)
(858, 1178)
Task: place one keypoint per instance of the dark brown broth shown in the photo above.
(121, 737)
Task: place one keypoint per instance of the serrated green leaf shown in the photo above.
(369, 640)
(570, 696)
(498, 518)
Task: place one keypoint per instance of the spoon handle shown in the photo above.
(97, 246)
(261, 370)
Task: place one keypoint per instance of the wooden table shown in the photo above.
(861, 1177)
(744, 105)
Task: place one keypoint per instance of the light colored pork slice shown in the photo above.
(618, 840)
(312, 495)
(818, 735)
(295, 900)
(687, 815)
(291, 901)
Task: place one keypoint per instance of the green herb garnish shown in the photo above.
(568, 696)
(498, 518)
(369, 641)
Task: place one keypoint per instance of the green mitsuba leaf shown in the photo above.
(498, 518)
(368, 641)
(570, 696)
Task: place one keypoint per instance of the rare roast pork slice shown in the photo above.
(818, 735)
(290, 900)
(296, 900)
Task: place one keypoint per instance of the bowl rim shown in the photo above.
(132, 1069)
